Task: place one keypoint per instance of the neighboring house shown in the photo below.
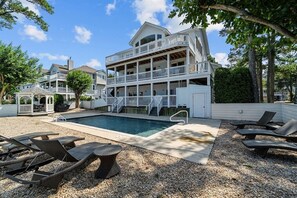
(54, 80)
(162, 70)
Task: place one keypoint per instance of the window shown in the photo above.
(137, 44)
(147, 39)
(198, 45)
(159, 36)
(93, 87)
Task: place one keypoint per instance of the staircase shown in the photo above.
(154, 111)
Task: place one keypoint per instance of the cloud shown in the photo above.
(146, 10)
(93, 63)
(34, 33)
(32, 7)
(82, 34)
(221, 58)
(51, 57)
(110, 7)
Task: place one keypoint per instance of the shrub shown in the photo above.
(86, 98)
(233, 85)
(58, 99)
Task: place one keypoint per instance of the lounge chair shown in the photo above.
(80, 155)
(8, 158)
(263, 121)
(283, 132)
(262, 146)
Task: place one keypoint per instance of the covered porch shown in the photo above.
(35, 101)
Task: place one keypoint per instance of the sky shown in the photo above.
(88, 31)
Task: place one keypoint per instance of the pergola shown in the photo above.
(35, 101)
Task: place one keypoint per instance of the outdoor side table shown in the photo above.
(108, 165)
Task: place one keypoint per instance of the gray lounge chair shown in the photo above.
(9, 160)
(262, 146)
(263, 121)
(283, 132)
(80, 155)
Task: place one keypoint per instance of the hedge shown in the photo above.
(233, 85)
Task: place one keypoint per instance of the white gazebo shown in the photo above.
(35, 101)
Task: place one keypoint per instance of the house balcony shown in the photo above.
(53, 77)
(202, 68)
(155, 46)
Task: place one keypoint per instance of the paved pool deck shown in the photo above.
(192, 141)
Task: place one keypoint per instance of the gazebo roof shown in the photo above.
(36, 90)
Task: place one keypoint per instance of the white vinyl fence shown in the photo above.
(93, 104)
(253, 111)
(8, 110)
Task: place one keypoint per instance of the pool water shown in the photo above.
(134, 126)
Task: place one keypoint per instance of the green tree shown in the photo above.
(276, 15)
(10, 8)
(16, 68)
(79, 82)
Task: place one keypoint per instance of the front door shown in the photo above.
(199, 105)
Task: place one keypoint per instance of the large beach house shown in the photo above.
(162, 70)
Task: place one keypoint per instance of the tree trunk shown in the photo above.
(270, 68)
(252, 69)
(77, 99)
(260, 76)
(2, 91)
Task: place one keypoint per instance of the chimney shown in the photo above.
(70, 64)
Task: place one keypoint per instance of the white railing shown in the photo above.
(172, 101)
(160, 73)
(144, 75)
(183, 121)
(50, 107)
(114, 105)
(120, 79)
(131, 78)
(150, 106)
(120, 104)
(25, 108)
(110, 100)
(177, 71)
(131, 101)
(143, 100)
(160, 44)
(158, 103)
(110, 81)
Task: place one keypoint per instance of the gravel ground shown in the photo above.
(232, 170)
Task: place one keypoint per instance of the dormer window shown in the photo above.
(147, 39)
(137, 44)
(159, 36)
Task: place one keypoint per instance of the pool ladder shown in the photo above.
(183, 121)
(59, 117)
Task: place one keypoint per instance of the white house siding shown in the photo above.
(184, 97)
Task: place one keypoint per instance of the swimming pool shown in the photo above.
(134, 126)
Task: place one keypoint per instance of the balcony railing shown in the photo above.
(191, 69)
(167, 42)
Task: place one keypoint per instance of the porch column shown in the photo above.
(151, 68)
(168, 64)
(137, 95)
(208, 80)
(137, 64)
(46, 103)
(152, 90)
(32, 103)
(57, 84)
(187, 60)
(125, 100)
(125, 74)
(168, 94)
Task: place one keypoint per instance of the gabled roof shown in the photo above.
(86, 68)
(59, 67)
(146, 24)
(36, 90)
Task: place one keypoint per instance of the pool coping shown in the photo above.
(167, 141)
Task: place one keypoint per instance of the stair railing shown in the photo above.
(114, 104)
(183, 121)
(120, 104)
(150, 106)
(159, 104)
